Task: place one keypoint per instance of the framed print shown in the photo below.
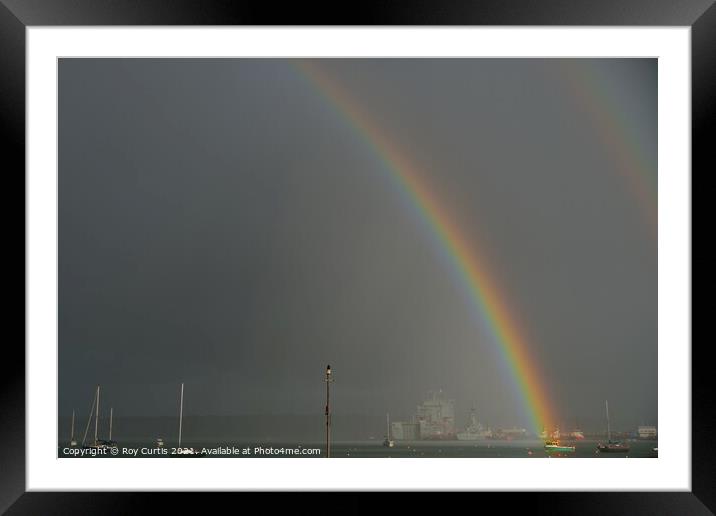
(449, 249)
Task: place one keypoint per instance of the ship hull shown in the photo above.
(464, 437)
(559, 448)
(612, 449)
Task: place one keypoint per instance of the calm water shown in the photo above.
(419, 449)
(519, 449)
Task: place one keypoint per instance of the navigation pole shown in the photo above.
(328, 380)
(181, 411)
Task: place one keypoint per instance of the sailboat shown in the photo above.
(73, 442)
(110, 443)
(388, 443)
(97, 443)
(184, 452)
(611, 446)
(94, 408)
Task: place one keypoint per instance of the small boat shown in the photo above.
(611, 446)
(159, 443)
(388, 442)
(555, 446)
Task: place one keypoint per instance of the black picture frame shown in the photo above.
(16, 15)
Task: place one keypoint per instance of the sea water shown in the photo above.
(373, 449)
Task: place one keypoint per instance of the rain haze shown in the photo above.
(225, 223)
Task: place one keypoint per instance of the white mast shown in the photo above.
(181, 410)
(89, 419)
(96, 418)
(609, 431)
(111, 410)
(387, 417)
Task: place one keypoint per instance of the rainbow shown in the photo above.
(481, 289)
(630, 159)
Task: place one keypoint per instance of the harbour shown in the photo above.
(529, 448)
(447, 234)
(432, 432)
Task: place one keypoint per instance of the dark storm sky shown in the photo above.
(221, 224)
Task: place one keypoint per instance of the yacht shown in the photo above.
(611, 446)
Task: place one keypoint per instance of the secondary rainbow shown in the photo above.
(631, 160)
(479, 285)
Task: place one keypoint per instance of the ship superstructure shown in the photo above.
(436, 417)
(476, 431)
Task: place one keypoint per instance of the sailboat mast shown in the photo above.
(181, 410)
(609, 430)
(111, 410)
(89, 419)
(96, 417)
(72, 433)
(387, 418)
